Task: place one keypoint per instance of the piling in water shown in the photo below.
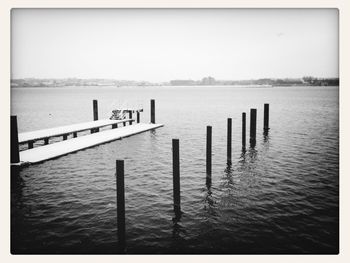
(120, 204)
(14, 140)
(95, 111)
(130, 117)
(252, 127)
(153, 117)
(266, 118)
(243, 130)
(209, 135)
(176, 177)
(30, 144)
(229, 141)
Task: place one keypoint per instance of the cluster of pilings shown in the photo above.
(176, 166)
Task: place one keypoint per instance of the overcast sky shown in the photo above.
(166, 44)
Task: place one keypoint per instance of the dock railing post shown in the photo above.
(229, 141)
(95, 111)
(209, 137)
(266, 118)
(153, 118)
(243, 130)
(252, 127)
(120, 204)
(130, 117)
(14, 141)
(176, 177)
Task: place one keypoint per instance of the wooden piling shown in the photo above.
(75, 134)
(153, 117)
(209, 139)
(229, 141)
(176, 176)
(46, 141)
(120, 204)
(252, 127)
(95, 110)
(130, 117)
(266, 117)
(30, 144)
(138, 117)
(243, 130)
(14, 140)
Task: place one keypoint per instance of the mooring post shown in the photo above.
(243, 130)
(30, 144)
(252, 127)
(229, 141)
(130, 117)
(14, 140)
(95, 110)
(209, 135)
(266, 117)
(153, 117)
(138, 117)
(176, 176)
(120, 204)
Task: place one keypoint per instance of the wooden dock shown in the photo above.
(49, 151)
(54, 150)
(68, 129)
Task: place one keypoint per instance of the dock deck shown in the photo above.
(57, 131)
(51, 151)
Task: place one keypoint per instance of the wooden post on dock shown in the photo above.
(95, 110)
(266, 118)
(30, 144)
(252, 127)
(209, 135)
(243, 130)
(130, 117)
(153, 117)
(14, 140)
(229, 141)
(120, 204)
(138, 117)
(176, 177)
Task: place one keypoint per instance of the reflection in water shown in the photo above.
(17, 209)
(208, 199)
(266, 136)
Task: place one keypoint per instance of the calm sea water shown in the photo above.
(280, 197)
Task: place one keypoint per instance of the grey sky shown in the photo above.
(165, 44)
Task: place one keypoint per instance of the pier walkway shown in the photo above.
(65, 130)
(54, 150)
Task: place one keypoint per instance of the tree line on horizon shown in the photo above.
(206, 81)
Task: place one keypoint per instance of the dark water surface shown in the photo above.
(280, 197)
